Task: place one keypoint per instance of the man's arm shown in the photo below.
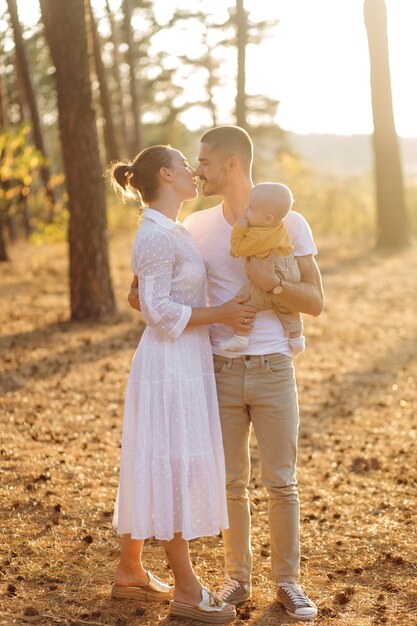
(133, 296)
(224, 314)
(304, 297)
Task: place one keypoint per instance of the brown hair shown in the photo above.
(231, 140)
(140, 176)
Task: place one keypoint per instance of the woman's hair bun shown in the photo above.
(121, 173)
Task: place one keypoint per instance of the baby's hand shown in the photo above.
(262, 271)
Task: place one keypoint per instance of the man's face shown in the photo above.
(211, 171)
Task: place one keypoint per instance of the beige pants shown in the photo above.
(260, 390)
(286, 268)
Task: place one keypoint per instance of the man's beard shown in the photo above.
(212, 188)
(206, 189)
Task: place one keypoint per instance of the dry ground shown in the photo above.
(61, 399)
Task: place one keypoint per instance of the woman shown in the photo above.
(172, 477)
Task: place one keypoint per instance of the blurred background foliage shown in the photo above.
(140, 96)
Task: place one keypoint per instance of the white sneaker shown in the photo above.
(295, 602)
(234, 592)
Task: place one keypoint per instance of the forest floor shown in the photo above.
(61, 401)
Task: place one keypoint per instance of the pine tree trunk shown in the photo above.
(22, 204)
(211, 80)
(3, 248)
(3, 208)
(90, 283)
(4, 117)
(11, 226)
(24, 76)
(135, 142)
(392, 223)
(118, 93)
(4, 217)
(241, 28)
(23, 210)
(110, 140)
(20, 101)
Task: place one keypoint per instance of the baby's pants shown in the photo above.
(286, 268)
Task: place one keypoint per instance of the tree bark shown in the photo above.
(392, 223)
(110, 140)
(4, 257)
(25, 80)
(7, 222)
(242, 36)
(135, 142)
(90, 282)
(211, 65)
(3, 215)
(3, 212)
(4, 117)
(118, 96)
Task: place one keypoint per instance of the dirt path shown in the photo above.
(61, 400)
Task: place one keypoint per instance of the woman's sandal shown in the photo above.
(210, 610)
(154, 591)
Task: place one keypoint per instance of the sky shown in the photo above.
(315, 62)
(320, 53)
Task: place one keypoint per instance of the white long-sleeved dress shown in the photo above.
(172, 476)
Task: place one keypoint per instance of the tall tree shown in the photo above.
(3, 184)
(4, 123)
(110, 140)
(4, 114)
(25, 80)
(4, 256)
(14, 205)
(242, 38)
(158, 97)
(131, 58)
(392, 223)
(118, 91)
(238, 32)
(206, 63)
(248, 32)
(90, 282)
(19, 160)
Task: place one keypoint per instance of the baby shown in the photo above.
(259, 232)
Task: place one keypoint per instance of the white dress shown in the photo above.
(172, 475)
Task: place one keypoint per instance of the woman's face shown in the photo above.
(183, 177)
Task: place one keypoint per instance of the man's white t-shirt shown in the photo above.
(226, 276)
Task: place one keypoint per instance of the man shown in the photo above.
(259, 386)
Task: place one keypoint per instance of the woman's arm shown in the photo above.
(151, 295)
(233, 313)
(154, 260)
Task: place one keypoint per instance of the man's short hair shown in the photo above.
(231, 140)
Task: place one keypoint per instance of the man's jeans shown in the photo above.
(260, 390)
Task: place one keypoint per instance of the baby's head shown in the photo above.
(268, 204)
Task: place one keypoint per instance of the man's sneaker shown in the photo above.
(234, 592)
(295, 602)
